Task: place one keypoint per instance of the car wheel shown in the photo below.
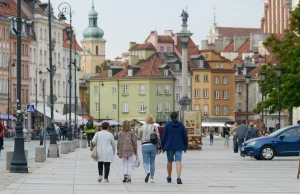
(257, 157)
(267, 153)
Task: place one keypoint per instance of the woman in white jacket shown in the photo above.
(105, 143)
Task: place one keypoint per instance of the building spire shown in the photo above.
(214, 8)
(93, 4)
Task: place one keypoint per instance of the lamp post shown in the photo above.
(262, 79)
(247, 78)
(66, 8)
(19, 162)
(278, 72)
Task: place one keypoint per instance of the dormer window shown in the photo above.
(109, 73)
(129, 72)
(166, 72)
(200, 63)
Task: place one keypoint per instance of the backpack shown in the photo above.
(90, 125)
(154, 137)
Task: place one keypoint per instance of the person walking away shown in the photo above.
(57, 132)
(251, 132)
(41, 132)
(160, 129)
(174, 141)
(106, 149)
(149, 147)
(235, 144)
(127, 149)
(211, 135)
(241, 133)
(226, 132)
(2, 132)
(90, 129)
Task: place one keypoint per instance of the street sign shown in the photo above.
(30, 108)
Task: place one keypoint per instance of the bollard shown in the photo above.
(40, 155)
(84, 143)
(77, 143)
(9, 156)
(64, 147)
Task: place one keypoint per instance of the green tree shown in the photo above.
(103, 66)
(286, 49)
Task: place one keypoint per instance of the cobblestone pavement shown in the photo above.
(215, 169)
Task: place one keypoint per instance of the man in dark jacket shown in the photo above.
(174, 141)
(241, 133)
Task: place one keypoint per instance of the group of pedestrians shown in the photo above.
(244, 133)
(173, 141)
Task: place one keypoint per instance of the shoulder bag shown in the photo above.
(94, 154)
(154, 137)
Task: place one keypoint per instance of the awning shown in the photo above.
(57, 117)
(214, 124)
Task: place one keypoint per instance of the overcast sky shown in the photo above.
(125, 21)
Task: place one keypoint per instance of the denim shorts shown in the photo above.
(171, 154)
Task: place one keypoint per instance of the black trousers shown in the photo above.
(106, 169)
(1, 142)
(90, 136)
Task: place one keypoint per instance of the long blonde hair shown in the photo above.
(149, 119)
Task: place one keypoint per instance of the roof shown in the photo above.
(75, 45)
(125, 54)
(11, 9)
(145, 46)
(229, 48)
(192, 50)
(145, 69)
(165, 39)
(245, 48)
(231, 31)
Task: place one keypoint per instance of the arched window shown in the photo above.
(97, 50)
(97, 69)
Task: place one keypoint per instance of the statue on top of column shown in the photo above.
(185, 17)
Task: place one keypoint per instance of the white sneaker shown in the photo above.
(100, 179)
(151, 180)
(106, 180)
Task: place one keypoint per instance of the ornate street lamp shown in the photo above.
(247, 79)
(278, 72)
(262, 79)
(19, 162)
(65, 8)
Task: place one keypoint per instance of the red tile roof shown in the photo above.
(245, 48)
(75, 45)
(11, 10)
(229, 48)
(192, 50)
(145, 46)
(126, 54)
(231, 31)
(165, 39)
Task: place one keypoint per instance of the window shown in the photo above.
(169, 49)
(217, 110)
(225, 94)
(41, 33)
(142, 89)
(167, 89)
(158, 89)
(129, 72)
(109, 72)
(205, 93)
(217, 66)
(54, 87)
(161, 49)
(96, 90)
(45, 58)
(221, 66)
(217, 94)
(217, 80)
(14, 47)
(178, 82)
(125, 89)
(197, 78)
(206, 56)
(177, 96)
(197, 93)
(114, 90)
(64, 91)
(166, 72)
(97, 107)
(205, 78)
(97, 50)
(225, 80)
(225, 110)
(294, 132)
(197, 107)
(26, 50)
(189, 82)
(97, 69)
(142, 107)
(239, 88)
(7, 34)
(114, 107)
(167, 107)
(200, 63)
(158, 107)
(64, 64)
(240, 107)
(58, 86)
(125, 106)
(205, 109)
(177, 67)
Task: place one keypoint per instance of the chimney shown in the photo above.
(132, 44)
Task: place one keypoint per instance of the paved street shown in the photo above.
(215, 169)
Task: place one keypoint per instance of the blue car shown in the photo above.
(283, 142)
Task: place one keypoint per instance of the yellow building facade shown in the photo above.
(213, 86)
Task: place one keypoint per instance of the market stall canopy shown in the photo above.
(216, 122)
(57, 117)
(80, 122)
(73, 117)
(111, 123)
(5, 117)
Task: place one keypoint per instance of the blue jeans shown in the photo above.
(240, 141)
(149, 153)
(41, 140)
